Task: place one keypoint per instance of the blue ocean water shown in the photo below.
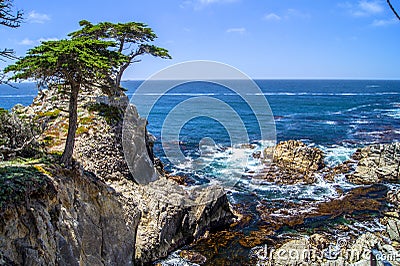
(337, 116)
(330, 114)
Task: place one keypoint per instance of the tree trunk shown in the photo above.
(66, 157)
(118, 78)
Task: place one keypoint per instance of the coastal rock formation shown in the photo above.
(165, 214)
(165, 226)
(297, 156)
(367, 249)
(392, 218)
(377, 163)
(76, 220)
(293, 162)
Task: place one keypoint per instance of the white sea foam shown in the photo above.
(395, 113)
(335, 154)
(174, 260)
(330, 122)
(361, 121)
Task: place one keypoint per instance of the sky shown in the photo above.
(266, 39)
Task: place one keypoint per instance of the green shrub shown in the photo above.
(17, 136)
(111, 114)
(17, 183)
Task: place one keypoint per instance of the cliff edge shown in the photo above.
(95, 213)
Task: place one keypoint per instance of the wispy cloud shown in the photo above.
(207, 2)
(30, 42)
(384, 22)
(240, 30)
(34, 17)
(272, 16)
(363, 8)
(288, 14)
(200, 4)
(370, 7)
(291, 12)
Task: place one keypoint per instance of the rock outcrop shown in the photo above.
(293, 162)
(367, 249)
(77, 220)
(377, 163)
(392, 217)
(164, 213)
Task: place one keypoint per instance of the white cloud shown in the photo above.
(272, 16)
(26, 41)
(30, 42)
(200, 4)
(296, 13)
(290, 13)
(363, 8)
(236, 30)
(207, 2)
(384, 22)
(370, 7)
(34, 17)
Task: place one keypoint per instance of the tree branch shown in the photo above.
(8, 53)
(6, 17)
(393, 9)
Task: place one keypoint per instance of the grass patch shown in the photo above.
(18, 183)
(52, 114)
(85, 120)
(3, 111)
(81, 130)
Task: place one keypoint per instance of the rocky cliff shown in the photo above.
(74, 219)
(99, 215)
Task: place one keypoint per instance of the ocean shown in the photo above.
(337, 116)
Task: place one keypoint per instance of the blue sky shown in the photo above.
(264, 38)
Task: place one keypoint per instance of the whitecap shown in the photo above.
(335, 154)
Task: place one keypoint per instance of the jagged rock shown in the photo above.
(392, 217)
(377, 163)
(293, 252)
(193, 256)
(171, 216)
(292, 162)
(80, 220)
(297, 156)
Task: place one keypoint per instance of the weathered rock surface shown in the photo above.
(367, 249)
(293, 162)
(170, 215)
(392, 217)
(377, 163)
(78, 221)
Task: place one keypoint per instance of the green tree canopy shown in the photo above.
(76, 62)
(132, 39)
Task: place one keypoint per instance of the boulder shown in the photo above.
(292, 162)
(377, 163)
